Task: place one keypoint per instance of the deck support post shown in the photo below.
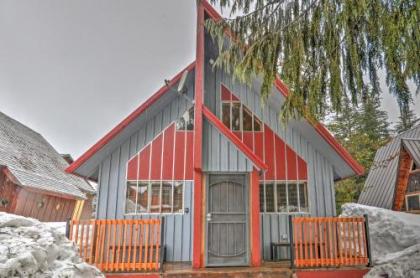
(292, 250)
(255, 219)
(369, 253)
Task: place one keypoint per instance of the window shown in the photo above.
(238, 117)
(154, 197)
(284, 197)
(412, 197)
(413, 183)
(186, 122)
(413, 202)
(246, 119)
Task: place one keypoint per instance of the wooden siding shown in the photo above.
(53, 209)
(220, 155)
(27, 203)
(168, 156)
(8, 194)
(112, 183)
(403, 174)
(320, 173)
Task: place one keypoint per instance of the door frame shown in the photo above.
(246, 185)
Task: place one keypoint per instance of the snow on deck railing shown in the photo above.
(119, 245)
(329, 241)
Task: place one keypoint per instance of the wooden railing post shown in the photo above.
(292, 249)
(162, 243)
(369, 254)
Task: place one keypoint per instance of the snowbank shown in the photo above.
(29, 248)
(394, 238)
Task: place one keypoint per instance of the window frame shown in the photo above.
(286, 184)
(149, 195)
(414, 170)
(241, 107)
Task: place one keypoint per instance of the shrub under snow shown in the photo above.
(394, 238)
(29, 248)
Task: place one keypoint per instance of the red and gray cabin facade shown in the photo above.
(218, 166)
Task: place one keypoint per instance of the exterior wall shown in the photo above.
(112, 182)
(220, 155)
(53, 209)
(8, 194)
(28, 203)
(320, 174)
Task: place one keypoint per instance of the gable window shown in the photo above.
(154, 197)
(412, 197)
(186, 122)
(283, 197)
(236, 116)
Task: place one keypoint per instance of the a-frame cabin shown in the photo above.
(218, 166)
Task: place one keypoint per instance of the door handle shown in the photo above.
(208, 217)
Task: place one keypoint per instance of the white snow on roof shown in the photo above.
(34, 162)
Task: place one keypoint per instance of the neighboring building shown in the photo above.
(394, 178)
(33, 181)
(223, 172)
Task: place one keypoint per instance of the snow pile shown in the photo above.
(394, 238)
(29, 248)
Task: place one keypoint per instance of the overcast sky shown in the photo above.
(73, 69)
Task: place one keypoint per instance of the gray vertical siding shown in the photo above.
(320, 171)
(220, 155)
(112, 182)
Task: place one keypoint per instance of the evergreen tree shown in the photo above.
(406, 120)
(362, 131)
(323, 49)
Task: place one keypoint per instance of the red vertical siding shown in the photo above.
(280, 159)
(303, 171)
(179, 155)
(189, 156)
(248, 139)
(144, 163)
(168, 153)
(269, 152)
(156, 159)
(258, 137)
(291, 164)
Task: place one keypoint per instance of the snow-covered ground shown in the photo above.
(394, 238)
(29, 248)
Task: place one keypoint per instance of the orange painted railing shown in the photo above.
(330, 241)
(119, 245)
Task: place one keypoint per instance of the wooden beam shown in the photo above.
(404, 167)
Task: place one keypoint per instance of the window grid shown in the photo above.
(286, 184)
(149, 188)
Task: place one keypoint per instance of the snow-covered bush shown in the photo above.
(29, 248)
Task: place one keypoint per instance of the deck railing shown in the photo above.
(329, 241)
(119, 245)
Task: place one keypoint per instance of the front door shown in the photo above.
(226, 219)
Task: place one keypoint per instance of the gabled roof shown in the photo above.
(379, 189)
(319, 129)
(34, 163)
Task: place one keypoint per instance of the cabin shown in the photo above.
(206, 159)
(394, 178)
(33, 181)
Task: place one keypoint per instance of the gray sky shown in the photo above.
(73, 69)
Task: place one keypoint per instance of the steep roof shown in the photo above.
(379, 189)
(316, 128)
(34, 163)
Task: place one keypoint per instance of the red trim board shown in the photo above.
(198, 238)
(130, 118)
(234, 139)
